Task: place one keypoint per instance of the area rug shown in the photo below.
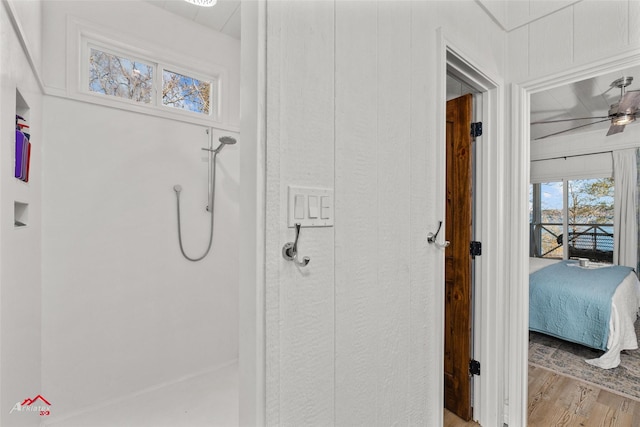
(569, 359)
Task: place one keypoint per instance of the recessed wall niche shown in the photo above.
(20, 214)
(22, 152)
(22, 108)
(22, 148)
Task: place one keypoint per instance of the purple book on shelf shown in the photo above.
(21, 145)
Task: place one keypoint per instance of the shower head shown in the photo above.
(177, 188)
(225, 140)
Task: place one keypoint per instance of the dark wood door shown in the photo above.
(457, 336)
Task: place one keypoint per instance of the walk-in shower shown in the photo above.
(213, 153)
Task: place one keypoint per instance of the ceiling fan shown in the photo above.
(620, 113)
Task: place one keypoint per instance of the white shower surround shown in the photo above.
(123, 312)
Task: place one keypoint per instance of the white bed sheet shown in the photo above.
(624, 311)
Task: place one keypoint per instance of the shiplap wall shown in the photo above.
(584, 32)
(351, 105)
(513, 14)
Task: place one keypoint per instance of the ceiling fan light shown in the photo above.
(623, 119)
(203, 3)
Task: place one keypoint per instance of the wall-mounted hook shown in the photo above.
(431, 238)
(290, 250)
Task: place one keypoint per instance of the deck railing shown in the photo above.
(592, 241)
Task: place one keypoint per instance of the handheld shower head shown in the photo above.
(225, 140)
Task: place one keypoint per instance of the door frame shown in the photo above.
(252, 278)
(490, 268)
(518, 334)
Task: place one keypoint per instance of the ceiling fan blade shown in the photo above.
(630, 99)
(613, 129)
(541, 122)
(573, 128)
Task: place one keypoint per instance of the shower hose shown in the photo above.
(213, 198)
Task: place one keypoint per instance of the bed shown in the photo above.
(595, 306)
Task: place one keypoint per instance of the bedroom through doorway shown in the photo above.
(572, 154)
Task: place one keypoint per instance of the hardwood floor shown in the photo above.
(556, 400)
(451, 420)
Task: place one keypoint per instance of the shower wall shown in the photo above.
(123, 311)
(20, 255)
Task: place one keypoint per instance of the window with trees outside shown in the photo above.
(572, 219)
(124, 76)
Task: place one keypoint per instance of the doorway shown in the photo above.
(519, 231)
(487, 390)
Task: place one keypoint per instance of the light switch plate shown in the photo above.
(323, 217)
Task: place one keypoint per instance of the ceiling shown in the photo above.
(223, 17)
(587, 98)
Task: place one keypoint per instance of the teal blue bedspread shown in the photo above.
(574, 303)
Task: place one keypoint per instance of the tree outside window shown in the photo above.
(122, 77)
(186, 92)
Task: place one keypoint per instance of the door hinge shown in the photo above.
(475, 249)
(474, 367)
(476, 129)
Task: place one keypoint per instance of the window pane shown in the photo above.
(551, 201)
(186, 92)
(590, 219)
(546, 202)
(122, 77)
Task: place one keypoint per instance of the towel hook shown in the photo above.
(431, 238)
(290, 250)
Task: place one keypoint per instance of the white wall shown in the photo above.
(585, 166)
(193, 45)
(582, 33)
(513, 14)
(28, 16)
(351, 105)
(584, 143)
(123, 311)
(20, 255)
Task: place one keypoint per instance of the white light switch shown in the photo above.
(310, 207)
(298, 209)
(313, 206)
(325, 207)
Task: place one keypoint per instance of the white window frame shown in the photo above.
(84, 74)
(565, 202)
(81, 36)
(214, 102)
